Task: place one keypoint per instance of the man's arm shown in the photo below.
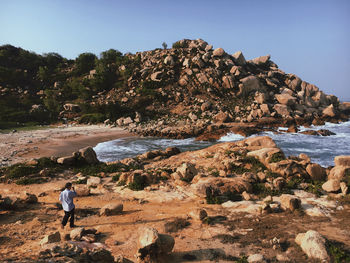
(73, 193)
(60, 197)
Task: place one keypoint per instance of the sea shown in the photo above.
(321, 149)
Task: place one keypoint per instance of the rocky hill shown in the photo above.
(239, 201)
(183, 90)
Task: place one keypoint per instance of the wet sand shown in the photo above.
(53, 141)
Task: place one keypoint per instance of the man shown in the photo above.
(66, 198)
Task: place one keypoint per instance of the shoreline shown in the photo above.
(54, 141)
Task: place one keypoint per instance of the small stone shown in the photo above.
(77, 233)
(111, 209)
(51, 238)
(198, 214)
(93, 181)
(290, 202)
(256, 258)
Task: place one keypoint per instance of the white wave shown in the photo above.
(231, 137)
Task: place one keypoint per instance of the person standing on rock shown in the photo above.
(66, 198)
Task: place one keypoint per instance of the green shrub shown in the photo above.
(177, 45)
(30, 180)
(115, 178)
(46, 162)
(237, 169)
(277, 157)
(92, 118)
(138, 184)
(121, 183)
(315, 188)
(337, 253)
(20, 170)
(257, 166)
(94, 169)
(260, 190)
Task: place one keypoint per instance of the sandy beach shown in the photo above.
(53, 141)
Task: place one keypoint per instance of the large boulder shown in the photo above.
(219, 52)
(339, 172)
(316, 172)
(187, 171)
(223, 188)
(282, 109)
(151, 244)
(89, 155)
(111, 209)
(82, 190)
(169, 60)
(342, 160)
(228, 82)
(264, 155)
(259, 141)
(285, 99)
(260, 60)
(222, 117)
(67, 160)
(239, 58)
(77, 233)
(167, 243)
(332, 185)
(251, 83)
(290, 202)
(93, 181)
(313, 244)
(329, 111)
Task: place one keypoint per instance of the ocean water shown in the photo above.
(321, 150)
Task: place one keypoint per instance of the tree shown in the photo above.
(165, 45)
(110, 56)
(85, 62)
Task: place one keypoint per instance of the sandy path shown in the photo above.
(57, 141)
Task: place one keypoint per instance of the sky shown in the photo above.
(310, 38)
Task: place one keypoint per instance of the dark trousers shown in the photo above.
(66, 216)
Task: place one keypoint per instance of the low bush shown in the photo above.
(30, 180)
(138, 184)
(17, 171)
(92, 118)
(277, 157)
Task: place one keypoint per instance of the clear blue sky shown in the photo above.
(310, 38)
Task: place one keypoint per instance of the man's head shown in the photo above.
(69, 185)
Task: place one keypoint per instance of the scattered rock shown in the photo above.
(89, 155)
(219, 52)
(93, 181)
(51, 238)
(198, 214)
(111, 209)
(187, 171)
(316, 172)
(332, 185)
(290, 202)
(342, 160)
(256, 258)
(313, 244)
(77, 233)
(68, 160)
(82, 190)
